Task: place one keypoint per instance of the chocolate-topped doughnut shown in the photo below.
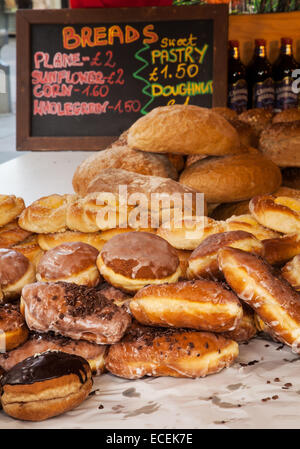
(13, 329)
(38, 343)
(134, 259)
(70, 262)
(15, 272)
(45, 385)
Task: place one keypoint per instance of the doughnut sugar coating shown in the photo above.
(148, 351)
(203, 262)
(45, 385)
(201, 304)
(10, 208)
(273, 299)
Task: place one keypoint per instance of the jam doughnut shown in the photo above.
(13, 329)
(73, 262)
(132, 260)
(45, 385)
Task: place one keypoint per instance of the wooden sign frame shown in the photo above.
(28, 18)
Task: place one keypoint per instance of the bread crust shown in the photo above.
(201, 304)
(287, 115)
(168, 352)
(10, 208)
(198, 131)
(232, 178)
(271, 297)
(258, 118)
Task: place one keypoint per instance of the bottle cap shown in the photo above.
(286, 40)
(259, 42)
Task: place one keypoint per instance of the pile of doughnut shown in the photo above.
(80, 295)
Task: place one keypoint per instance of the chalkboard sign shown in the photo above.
(84, 76)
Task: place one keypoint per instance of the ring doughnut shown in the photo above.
(271, 297)
(38, 343)
(291, 272)
(202, 305)
(15, 272)
(281, 214)
(146, 351)
(10, 208)
(73, 262)
(203, 262)
(134, 259)
(74, 311)
(13, 329)
(45, 385)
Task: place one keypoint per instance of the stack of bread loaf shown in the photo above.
(83, 291)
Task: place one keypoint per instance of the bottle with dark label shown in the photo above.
(259, 77)
(237, 84)
(283, 68)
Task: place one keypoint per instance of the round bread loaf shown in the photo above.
(281, 143)
(232, 178)
(134, 259)
(287, 115)
(246, 133)
(125, 158)
(259, 119)
(227, 113)
(70, 262)
(184, 129)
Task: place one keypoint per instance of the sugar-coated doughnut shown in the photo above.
(281, 249)
(11, 234)
(45, 385)
(147, 351)
(271, 297)
(49, 241)
(13, 329)
(281, 214)
(134, 259)
(203, 262)
(248, 223)
(10, 208)
(203, 305)
(15, 272)
(41, 342)
(74, 311)
(246, 329)
(47, 214)
(291, 272)
(73, 262)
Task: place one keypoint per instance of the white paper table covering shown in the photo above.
(230, 399)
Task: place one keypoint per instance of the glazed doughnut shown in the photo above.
(10, 208)
(11, 234)
(38, 343)
(73, 262)
(184, 256)
(189, 232)
(49, 241)
(46, 385)
(47, 214)
(271, 297)
(291, 272)
(132, 260)
(246, 329)
(74, 311)
(203, 262)
(202, 305)
(281, 214)
(280, 250)
(249, 224)
(146, 351)
(13, 329)
(30, 249)
(15, 272)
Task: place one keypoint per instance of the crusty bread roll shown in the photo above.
(177, 160)
(291, 177)
(232, 178)
(148, 351)
(10, 208)
(281, 143)
(227, 113)
(246, 133)
(201, 304)
(194, 158)
(125, 158)
(259, 119)
(184, 129)
(287, 115)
